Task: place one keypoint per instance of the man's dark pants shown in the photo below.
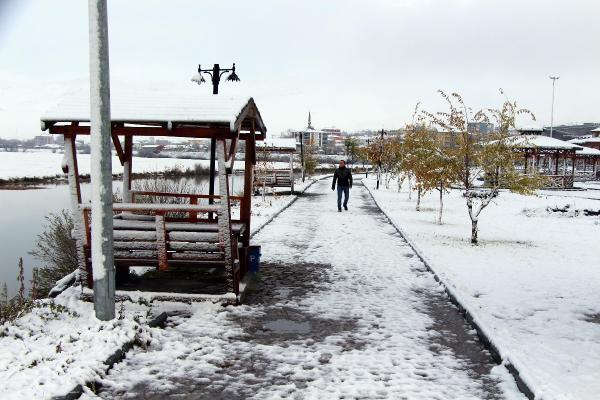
(346, 191)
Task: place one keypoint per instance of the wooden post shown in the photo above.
(161, 243)
(246, 206)
(211, 182)
(127, 169)
(525, 169)
(224, 216)
(556, 163)
(291, 173)
(70, 167)
(101, 163)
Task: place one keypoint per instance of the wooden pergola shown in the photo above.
(587, 160)
(550, 157)
(277, 177)
(148, 234)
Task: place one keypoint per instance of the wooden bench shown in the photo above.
(143, 236)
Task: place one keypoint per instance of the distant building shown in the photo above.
(310, 135)
(480, 127)
(568, 132)
(43, 140)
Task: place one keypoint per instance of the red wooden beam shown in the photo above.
(118, 147)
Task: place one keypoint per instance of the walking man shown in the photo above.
(343, 177)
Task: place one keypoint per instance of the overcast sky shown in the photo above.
(353, 64)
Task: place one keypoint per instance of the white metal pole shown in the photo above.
(101, 166)
(554, 78)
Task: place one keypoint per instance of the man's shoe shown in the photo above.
(339, 210)
(346, 208)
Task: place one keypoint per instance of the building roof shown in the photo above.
(286, 145)
(541, 142)
(588, 151)
(147, 106)
(584, 141)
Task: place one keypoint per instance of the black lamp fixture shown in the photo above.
(215, 73)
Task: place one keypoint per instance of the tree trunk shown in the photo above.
(474, 231)
(441, 204)
(409, 189)
(418, 208)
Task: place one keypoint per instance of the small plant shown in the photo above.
(55, 248)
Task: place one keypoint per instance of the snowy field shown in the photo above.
(532, 282)
(42, 164)
(49, 352)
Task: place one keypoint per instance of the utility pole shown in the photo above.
(301, 135)
(367, 169)
(380, 157)
(554, 79)
(101, 165)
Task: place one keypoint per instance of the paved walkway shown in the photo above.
(343, 309)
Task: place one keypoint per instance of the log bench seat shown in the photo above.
(149, 240)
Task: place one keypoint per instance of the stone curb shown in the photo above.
(114, 358)
(485, 339)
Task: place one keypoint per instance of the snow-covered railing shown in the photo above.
(160, 208)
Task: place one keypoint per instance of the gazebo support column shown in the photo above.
(127, 169)
(556, 163)
(211, 181)
(525, 168)
(76, 212)
(224, 218)
(246, 206)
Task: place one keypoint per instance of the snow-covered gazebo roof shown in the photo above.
(169, 109)
(541, 143)
(588, 152)
(584, 141)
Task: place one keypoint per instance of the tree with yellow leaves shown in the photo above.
(489, 156)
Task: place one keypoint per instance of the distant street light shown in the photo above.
(215, 73)
(380, 157)
(554, 79)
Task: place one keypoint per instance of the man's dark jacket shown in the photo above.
(343, 176)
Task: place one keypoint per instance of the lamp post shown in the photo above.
(215, 73)
(301, 136)
(101, 169)
(554, 79)
(380, 156)
(367, 168)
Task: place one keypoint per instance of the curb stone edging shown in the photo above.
(485, 339)
(113, 359)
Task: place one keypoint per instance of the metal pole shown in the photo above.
(380, 156)
(101, 166)
(216, 78)
(302, 154)
(554, 78)
(367, 169)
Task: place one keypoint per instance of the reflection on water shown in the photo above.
(22, 218)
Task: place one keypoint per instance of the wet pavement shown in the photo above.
(342, 308)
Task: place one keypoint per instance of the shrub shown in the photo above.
(55, 248)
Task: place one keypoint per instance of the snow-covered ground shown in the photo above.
(343, 310)
(48, 352)
(532, 282)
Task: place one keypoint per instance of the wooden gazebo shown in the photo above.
(202, 234)
(276, 177)
(550, 157)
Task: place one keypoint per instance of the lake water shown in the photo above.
(22, 214)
